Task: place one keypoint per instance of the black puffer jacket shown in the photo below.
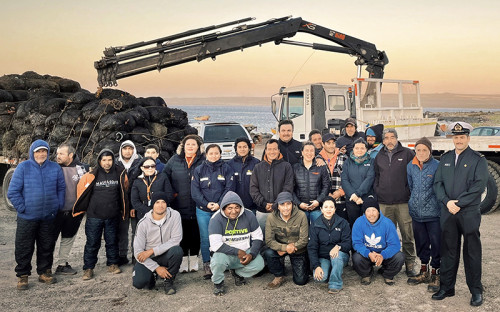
(179, 176)
(391, 182)
(139, 192)
(310, 184)
(270, 179)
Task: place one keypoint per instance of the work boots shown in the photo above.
(47, 277)
(423, 277)
(22, 282)
(410, 269)
(238, 280)
(435, 280)
(168, 286)
(206, 269)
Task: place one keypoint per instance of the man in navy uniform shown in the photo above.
(460, 179)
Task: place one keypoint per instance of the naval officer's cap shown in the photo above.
(458, 128)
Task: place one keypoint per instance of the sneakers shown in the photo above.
(22, 282)
(334, 290)
(193, 264)
(184, 268)
(122, 260)
(168, 286)
(423, 277)
(47, 277)
(88, 274)
(434, 283)
(410, 269)
(238, 280)
(208, 272)
(276, 282)
(65, 269)
(219, 289)
(114, 269)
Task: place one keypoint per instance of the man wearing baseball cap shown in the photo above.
(460, 179)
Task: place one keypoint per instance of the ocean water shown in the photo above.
(260, 116)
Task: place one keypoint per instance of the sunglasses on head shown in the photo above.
(149, 166)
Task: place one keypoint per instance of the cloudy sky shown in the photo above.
(448, 46)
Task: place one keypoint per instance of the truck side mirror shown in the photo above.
(273, 107)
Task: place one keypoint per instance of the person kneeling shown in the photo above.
(287, 234)
(156, 246)
(329, 246)
(235, 240)
(376, 242)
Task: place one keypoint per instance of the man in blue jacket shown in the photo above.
(376, 242)
(37, 191)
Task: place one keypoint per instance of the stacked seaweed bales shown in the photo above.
(58, 110)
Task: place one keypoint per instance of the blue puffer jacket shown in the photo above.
(210, 182)
(37, 191)
(423, 202)
(242, 174)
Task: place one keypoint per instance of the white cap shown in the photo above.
(39, 148)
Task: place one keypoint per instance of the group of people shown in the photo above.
(321, 203)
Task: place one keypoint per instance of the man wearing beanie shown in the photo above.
(157, 246)
(287, 233)
(351, 134)
(235, 240)
(425, 212)
(374, 139)
(376, 242)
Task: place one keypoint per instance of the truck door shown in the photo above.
(337, 109)
(293, 108)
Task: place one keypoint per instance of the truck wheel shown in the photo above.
(489, 196)
(494, 169)
(5, 188)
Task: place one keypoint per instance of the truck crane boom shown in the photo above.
(120, 62)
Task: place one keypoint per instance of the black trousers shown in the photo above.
(171, 260)
(364, 266)
(123, 227)
(66, 225)
(27, 234)
(465, 223)
(190, 237)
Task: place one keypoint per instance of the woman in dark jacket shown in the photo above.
(211, 181)
(329, 246)
(242, 164)
(179, 170)
(357, 178)
(312, 183)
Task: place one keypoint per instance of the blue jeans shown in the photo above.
(221, 262)
(312, 215)
(93, 230)
(337, 268)
(300, 265)
(203, 218)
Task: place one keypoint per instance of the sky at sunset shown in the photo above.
(449, 46)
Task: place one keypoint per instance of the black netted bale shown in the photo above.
(22, 146)
(39, 133)
(52, 120)
(76, 142)
(111, 94)
(157, 130)
(9, 139)
(37, 119)
(5, 121)
(140, 135)
(178, 118)
(65, 85)
(140, 114)
(175, 134)
(84, 128)
(41, 84)
(165, 156)
(94, 110)
(110, 144)
(5, 96)
(19, 95)
(12, 82)
(82, 97)
(120, 122)
(70, 117)
(60, 133)
(47, 93)
(167, 145)
(31, 75)
(52, 106)
(8, 108)
(158, 114)
(22, 126)
(190, 130)
(22, 111)
(129, 101)
(99, 135)
(152, 101)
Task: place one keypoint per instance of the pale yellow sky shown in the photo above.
(447, 46)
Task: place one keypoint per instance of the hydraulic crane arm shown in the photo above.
(120, 62)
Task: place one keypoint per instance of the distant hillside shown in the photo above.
(436, 100)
